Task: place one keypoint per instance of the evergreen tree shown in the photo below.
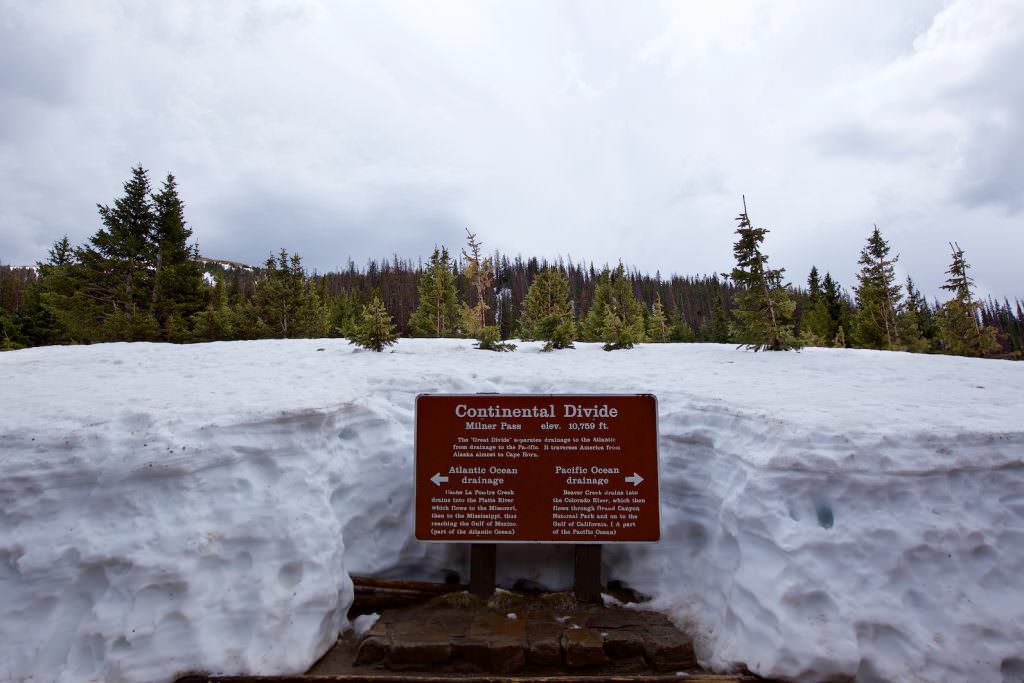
(177, 287)
(764, 304)
(375, 329)
(489, 339)
(679, 329)
(911, 320)
(657, 326)
(216, 322)
(53, 285)
(285, 302)
(924, 318)
(547, 311)
(878, 296)
(615, 316)
(137, 279)
(438, 313)
(836, 309)
(717, 329)
(480, 273)
(105, 288)
(117, 264)
(344, 312)
(815, 325)
(961, 330)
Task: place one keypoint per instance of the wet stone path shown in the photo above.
(515, 634)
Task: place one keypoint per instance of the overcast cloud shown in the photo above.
(596, 130)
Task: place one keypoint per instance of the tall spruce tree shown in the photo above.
(878, 296)
(815, 328)
(286, 302)
(961, 330)
(375, 329)
(177, 290)
(547, 311)
(679, 329)
(837, 310)
(764, 305)
(54, 284)
(657, 325)
(615, 316)
(911, 321)
(216, 322)
(111, 277)
(438, 313)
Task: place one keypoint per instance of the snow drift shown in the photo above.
(825, 513)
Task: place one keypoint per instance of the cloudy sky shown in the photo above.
(593, 130)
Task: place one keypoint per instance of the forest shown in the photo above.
(139, 278)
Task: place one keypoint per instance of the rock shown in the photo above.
(544, 643)
(417, 644)
(582, 647)
(493, 643)
(623, 643)
(427, 649)
(667, 649)
(372, 650)
(616, 617)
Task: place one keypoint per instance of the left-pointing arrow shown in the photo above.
(438, 479)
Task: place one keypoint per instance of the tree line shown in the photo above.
(139, 278)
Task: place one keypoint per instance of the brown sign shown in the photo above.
(557, 469)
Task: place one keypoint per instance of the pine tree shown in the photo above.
(911, 321)
(285, 301)
(547, 311)
(177, 287)
(836, 309)
(815, 327)
(215, 323)
(679, 329)
(112, 277)
(615, 316)
(480, 273)
(764, 304)
(438, 312)
(375, 329)
(53, 286)
(961, 330)
(717, 328)
(657, 326)
(878, 296)
(344, 312)
(489, 339)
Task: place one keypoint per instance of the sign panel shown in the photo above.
(548, 468)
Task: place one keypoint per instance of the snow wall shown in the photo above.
(825, 514)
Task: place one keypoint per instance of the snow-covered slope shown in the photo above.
(166, 508)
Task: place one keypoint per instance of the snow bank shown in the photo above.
(827, 513)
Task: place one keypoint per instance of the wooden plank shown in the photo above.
(401, 584)
(430, 678)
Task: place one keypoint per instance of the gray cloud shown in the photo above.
(596, 131)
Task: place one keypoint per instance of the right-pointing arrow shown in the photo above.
(438, 479)
(635, 479)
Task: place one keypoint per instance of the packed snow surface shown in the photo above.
(826, 513)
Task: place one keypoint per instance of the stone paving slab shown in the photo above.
(515, 634)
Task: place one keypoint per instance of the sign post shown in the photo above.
(579, 469)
